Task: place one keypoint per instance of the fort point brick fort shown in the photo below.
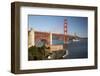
(34, 36)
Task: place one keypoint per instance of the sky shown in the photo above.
(55, 24)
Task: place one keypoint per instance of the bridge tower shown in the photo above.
(65, 31)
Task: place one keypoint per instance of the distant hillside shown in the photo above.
(71, 37)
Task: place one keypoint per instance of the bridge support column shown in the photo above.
(50, 38)
(31, 38)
